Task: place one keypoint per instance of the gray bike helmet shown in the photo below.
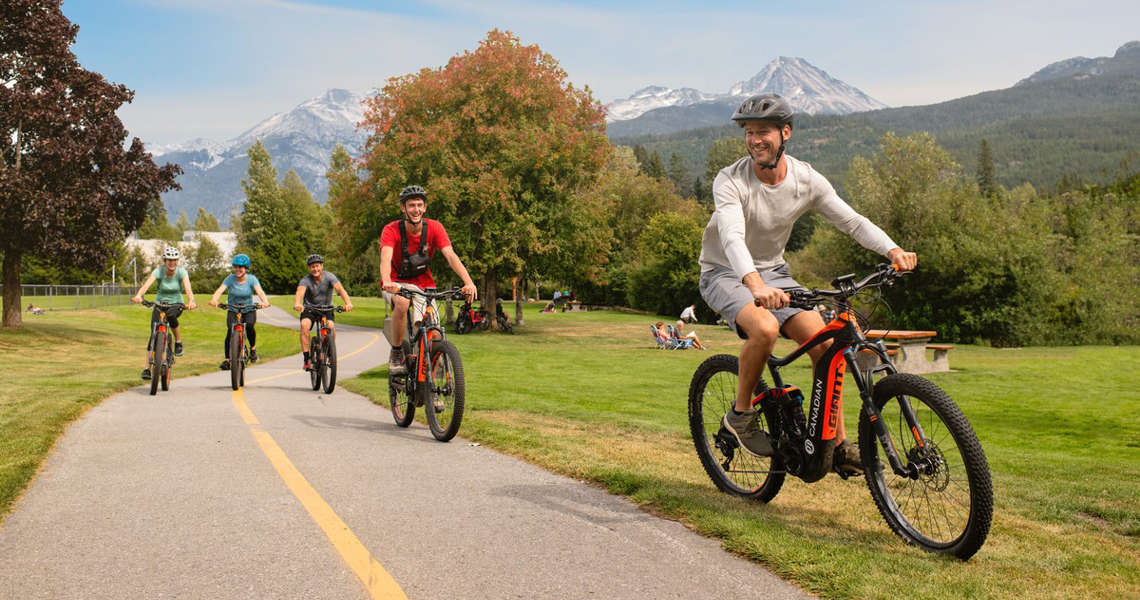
(764, 107)
(412, 191)
(314, 258)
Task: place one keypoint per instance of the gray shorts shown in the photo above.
(724, 293)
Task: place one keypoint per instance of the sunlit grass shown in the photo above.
(587, 395)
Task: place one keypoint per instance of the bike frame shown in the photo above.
(825, 406)
(162, 327)
(322, 330)
(238, 329)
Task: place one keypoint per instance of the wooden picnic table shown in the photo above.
(910, 348)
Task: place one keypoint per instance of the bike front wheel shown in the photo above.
(733, 469)
(445, 402)
(235, 360)
(946, 504)
(328, 365)
(157, 357)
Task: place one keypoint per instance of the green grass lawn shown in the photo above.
(587, 395)
(64, 362)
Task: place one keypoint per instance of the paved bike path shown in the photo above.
(175, 496)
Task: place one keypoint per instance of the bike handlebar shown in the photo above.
(239, 307)
(324, 307)
(884, 273)
(409, 292)
(162, 305)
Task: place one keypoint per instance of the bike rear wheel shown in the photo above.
(235, 360)
(947, 507)
(447, 385)
(156, 361)
(315, 362)
(328, 364)
(734, 470)
(400, 401)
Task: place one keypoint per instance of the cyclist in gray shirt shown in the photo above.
(316, 289)
(758, 199)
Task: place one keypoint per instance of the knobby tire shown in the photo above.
(446, 382)
(328, 364)
(235, 360)
(156, 360)
(734, 470)
(949, 507)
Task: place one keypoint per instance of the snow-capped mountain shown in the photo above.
(301, 139)
(654, 96)
(808, 88)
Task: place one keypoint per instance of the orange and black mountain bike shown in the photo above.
(161, 346)
(434, 376)
(925, 468)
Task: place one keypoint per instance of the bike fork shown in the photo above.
(877, 424)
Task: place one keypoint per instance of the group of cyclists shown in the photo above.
(398, 266)
(744, 277)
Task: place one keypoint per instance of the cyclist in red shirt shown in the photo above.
(404, 254)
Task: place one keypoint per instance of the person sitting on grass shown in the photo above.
(692, 335)
(672, 341)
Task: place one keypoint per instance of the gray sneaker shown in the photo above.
(396, 362)
(746, 428)
(846, 459)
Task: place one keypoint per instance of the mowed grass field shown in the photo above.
(588, 395)
(62, 363)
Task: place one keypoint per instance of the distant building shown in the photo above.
(226, 241)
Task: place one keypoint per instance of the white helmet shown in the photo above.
(171, 253)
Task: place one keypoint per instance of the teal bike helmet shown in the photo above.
(241, 260)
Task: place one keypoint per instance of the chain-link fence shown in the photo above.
(72, 297)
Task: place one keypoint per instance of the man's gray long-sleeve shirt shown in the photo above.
(753, 220)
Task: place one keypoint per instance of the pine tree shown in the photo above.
(271, 232)
(655, 168)
(679, 174)
(182, 225)
(642, 156)
(986, 184)
(206, 221)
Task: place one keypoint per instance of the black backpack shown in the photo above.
(413, 265)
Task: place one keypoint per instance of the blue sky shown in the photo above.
(212, 68)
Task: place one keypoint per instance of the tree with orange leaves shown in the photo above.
(504, 145)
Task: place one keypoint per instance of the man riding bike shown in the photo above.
(758, 199)
(315, 289)
(172, 281)
(242, 285)
(406, 246)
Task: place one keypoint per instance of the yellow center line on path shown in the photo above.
(380, 584)
(375, 338)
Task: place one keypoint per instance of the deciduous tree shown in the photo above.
(70, 188)
(504, 144)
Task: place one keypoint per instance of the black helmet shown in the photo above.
(314, 258)
(764, 107)
(412, 191)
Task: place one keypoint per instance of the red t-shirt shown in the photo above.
(437, 238)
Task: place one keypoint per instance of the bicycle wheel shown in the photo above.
(734, 470)
(947, 507)
(315, 361)
(400, 401)
(235, 360)
(328, 364)
(156, 359)
(167, 366)
(447, 385)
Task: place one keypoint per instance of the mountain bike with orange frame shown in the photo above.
(434, 376)
(924, 466)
